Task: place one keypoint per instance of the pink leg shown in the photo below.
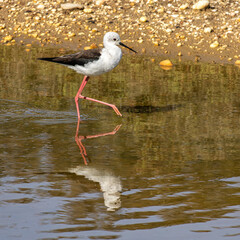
(79, 95)
(85, 79)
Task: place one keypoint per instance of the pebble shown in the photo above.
(214, 44)
(100, 2)
(143, 19)
(71, 6)
(88, 10)
(202, 4)
(166, 63)
(40, 7)
(237, 62)
(7, 39)
(208, 29)
(161, 9)
(184, 6)
(71, 34)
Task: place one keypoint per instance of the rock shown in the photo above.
(166, 63)
(100, 2)
(202, 4)
(88, 10)
(214, 44)
(35, 35)
(155, 42)
(40, 7)
(208, 29)
(161, 9)
(168, 30)
(71, 6)
(7, 39)
(2, 26)
(143, 19)
(184, 6)
(237, 62)
(71, 34)
(92, 46)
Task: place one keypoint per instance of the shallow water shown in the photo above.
(169, 167)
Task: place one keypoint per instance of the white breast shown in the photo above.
(109, 59)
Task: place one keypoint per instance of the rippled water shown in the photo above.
(168, 169)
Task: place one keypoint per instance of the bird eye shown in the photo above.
(114, 39)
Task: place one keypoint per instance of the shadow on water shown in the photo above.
(169, 167)
(149, 109)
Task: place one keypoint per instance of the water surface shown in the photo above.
(169, 167)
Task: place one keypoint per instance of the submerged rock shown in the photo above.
(166, 63)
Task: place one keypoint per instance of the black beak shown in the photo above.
(127, 47)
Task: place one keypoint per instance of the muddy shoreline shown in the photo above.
(169, 29)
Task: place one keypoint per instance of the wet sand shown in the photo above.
(169, 29)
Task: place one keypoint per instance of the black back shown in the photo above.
(80, 58)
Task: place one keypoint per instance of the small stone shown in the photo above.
(93, 46)
(88, 10)
(2, 26)
(34, 35)
(184, 6)
(71, 6)
(179, 54)
(202, 4)
(156, 43)
(40, 7)
(208, 29)
(71, 35)
(7, 39)
(166, 63)
(94, 30)
(100, 2)
(87, 48)
(214, 44)
(237, 62)
(143, 19)
(161, 9)
(179, 45)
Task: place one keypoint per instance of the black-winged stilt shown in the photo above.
(94, 62)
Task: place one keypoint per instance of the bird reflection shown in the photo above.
(109, 183)
(79, 138)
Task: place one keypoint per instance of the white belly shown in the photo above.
(108, 60)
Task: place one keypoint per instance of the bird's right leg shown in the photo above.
(84, 82)
(79, 95)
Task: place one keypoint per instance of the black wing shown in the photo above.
(80, 58)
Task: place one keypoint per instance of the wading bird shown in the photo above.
(94, 62)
